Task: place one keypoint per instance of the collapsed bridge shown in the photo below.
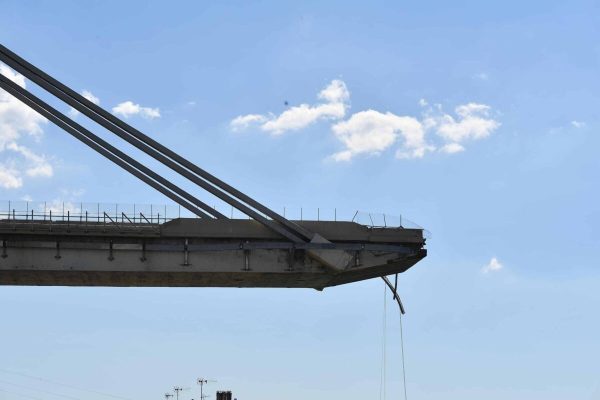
(266, 250)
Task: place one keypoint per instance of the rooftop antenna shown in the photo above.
(202, 382)
(168, 396)
(177, 389)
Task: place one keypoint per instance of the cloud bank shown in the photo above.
(372, 132)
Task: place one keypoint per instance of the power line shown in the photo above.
(5, 371)
(20, 394)
(40, 390)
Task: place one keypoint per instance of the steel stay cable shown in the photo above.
(53, 115)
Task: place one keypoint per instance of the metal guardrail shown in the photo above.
(149, 216)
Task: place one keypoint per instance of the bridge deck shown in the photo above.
(199, 252)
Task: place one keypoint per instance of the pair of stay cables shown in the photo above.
(182, 166)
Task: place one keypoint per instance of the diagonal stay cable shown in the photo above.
(182, 166)
(102, 147)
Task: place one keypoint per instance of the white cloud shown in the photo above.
(10, 178)
(335, 92)
(578, 124)
(452, 148)
(88, 95)
(16, 122)
(244, 121)
(473, 123)
(493, 266)
(372, 132)
(37, 165)
(128, 109)
(335, 97)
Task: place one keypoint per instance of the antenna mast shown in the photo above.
(177, 389)
(202, 382)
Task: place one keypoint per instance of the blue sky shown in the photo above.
(523, 191)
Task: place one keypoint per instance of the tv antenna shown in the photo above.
(178, 389)
(202, 382)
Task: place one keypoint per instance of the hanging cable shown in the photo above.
(402, 352)
(382, 381)
(394, 290)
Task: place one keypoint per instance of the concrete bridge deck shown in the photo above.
(199, 252)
